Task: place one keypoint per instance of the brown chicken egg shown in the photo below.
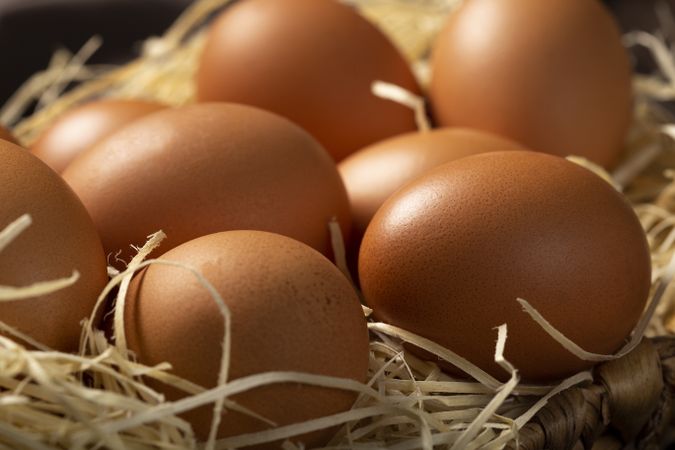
(371, 175)
(7, 135)
(206, 168)
(447, 256)
(83, 127)
(291, 310)
(550, 74)
(312, 61)
(60, 240)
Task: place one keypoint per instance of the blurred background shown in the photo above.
(32, 30)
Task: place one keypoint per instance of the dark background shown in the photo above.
(31, 30)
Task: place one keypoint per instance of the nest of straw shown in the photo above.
(98, 397)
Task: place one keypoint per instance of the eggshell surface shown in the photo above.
(311, 61)
(552, 75)
(61, 239)
(83, 127)
(447, 256)
(373, 174)
(291, 310)
(207, 168)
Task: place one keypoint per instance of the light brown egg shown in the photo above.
(61, 239)
(291, 309)
(83, 127)
(550, 74)
(7, 135)
(371, 175)
(311, 61)
(448, 255)
(207, 168)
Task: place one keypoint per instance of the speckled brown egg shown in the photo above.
(291, 310)
(83, 127)
(207, 168)
(371, 175)
(552, 75)
(448, 255)
(311, 61)
(7, 135)
(61, 239)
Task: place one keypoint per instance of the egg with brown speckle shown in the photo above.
(312, 61)
(373, 174)
(291, 310)
(206, 168)
(447, 256)
(552, 75)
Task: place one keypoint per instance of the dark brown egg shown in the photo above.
(61, 239)
(7, 135)
(448, 255)
(371, 175)
(311, 61)
(207, 168)
(81, 128)
(550, 74)
(291, 310)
